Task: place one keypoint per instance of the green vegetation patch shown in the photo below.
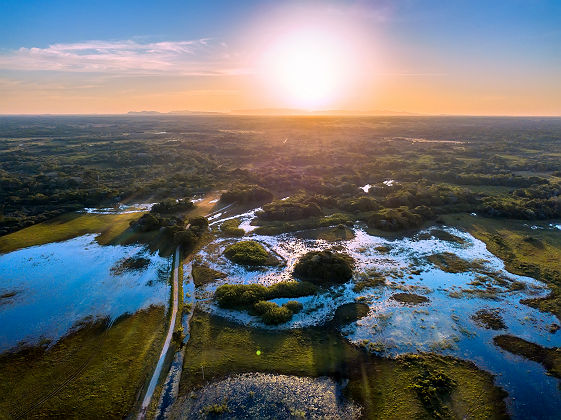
(68, 226)
(203, 274)
(442, 235)
(246, 194)
(323, 267)
(230, 228)
(383, 249)
(250, 253)
(130, 264)
(236, 296)
(490, 319)
(549, 357)
(434, 388)
(401, 218)
(382, 386)
(350, 312)
(409, 298)
(255, 298)
(171, 206)
(451, 263)
(368, 279)
(294, 208)
(95, 371)
(271, 313)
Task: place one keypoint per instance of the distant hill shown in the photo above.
(184, 112)
(281, 111)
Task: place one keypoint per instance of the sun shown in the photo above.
(307, 69)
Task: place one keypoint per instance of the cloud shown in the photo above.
(195, 57)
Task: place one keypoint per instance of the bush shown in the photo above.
(276, 315)
(291, 289)
(172, 206)
(247, 194)
(243, 295)
(239, 295)
(263, 306)
(230, 227)
(399, 218)
(294, 306)
(203, 275)
(320, 267)
(199, 221)
(185, 238)
(249, 253)
(291, 209)
(146, 223)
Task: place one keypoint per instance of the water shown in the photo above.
(120, 209)
(266, 396)
(443, 325)
(61, 283)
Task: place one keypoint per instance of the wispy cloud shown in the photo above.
(194, 57)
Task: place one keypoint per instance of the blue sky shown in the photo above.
(468, 46)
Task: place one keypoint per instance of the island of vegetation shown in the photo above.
(256, 299)
(324, 267)
(250, 253)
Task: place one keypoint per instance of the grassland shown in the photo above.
(111, 229)
(68, 226)
(384, 387)
(93, 372)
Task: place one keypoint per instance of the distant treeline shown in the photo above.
(497, 166)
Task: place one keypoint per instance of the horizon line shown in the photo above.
(315, 114)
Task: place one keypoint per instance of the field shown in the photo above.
(95, 371)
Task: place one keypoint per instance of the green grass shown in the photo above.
(230, 228)
(67, 226)
(382, 386)
(93, 372)
(204, 275)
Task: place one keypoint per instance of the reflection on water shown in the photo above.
(444, 324)
(265, 396)
(59, 284)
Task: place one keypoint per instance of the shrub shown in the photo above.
(249, 253)
(199, 221)
(294, 306)
(230, 227)
(320, 267)
(203, 275)
(263, 306)
(172, 206)
(247, 194)
(398, 218)
(291, 289)
(276, 315)
(185, 238)
(292, 209)
(243, 295)
(237, 295)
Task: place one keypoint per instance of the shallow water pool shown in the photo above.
(56, 285)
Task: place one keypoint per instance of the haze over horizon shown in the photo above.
(357, 57)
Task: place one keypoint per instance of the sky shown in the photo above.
(466, 57)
